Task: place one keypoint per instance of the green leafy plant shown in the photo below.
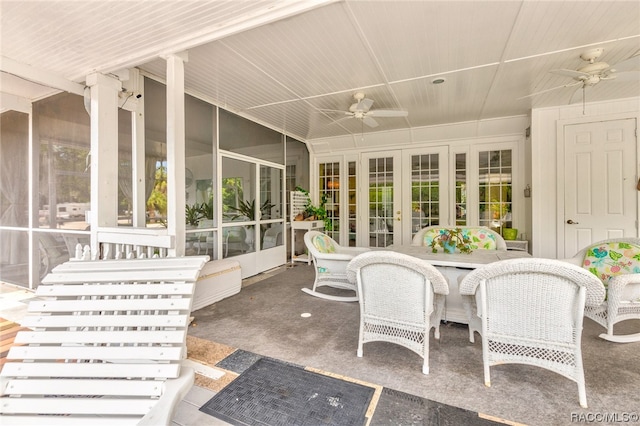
(206, 209)
(451, 238)
(318, 212)
(192, 214)
(247, 209)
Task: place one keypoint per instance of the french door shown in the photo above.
(382, 198)
(252, 213)
(403, 191)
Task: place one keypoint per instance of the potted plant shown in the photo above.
(451, 239)
(206, 209)
(247, 209)
(193, 214)
(312, 212)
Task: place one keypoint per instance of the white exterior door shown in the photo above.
(381, 184)
(600, 195)
(404, 191)
(425, 189)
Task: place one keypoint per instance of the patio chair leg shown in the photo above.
(330, 297)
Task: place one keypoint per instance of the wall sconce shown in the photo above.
(527, 191)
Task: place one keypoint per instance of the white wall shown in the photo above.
(544, 163)
(414, 138)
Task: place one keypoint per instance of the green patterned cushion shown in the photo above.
(429, 235)
(607, 260)
(324, 244)
(480, 238)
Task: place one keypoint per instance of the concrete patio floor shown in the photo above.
(266, 318)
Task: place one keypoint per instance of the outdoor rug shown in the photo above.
(274, 393)
(395, 407)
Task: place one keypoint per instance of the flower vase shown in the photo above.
(449, 246)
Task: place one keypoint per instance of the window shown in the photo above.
(425, 191)
(495, 189)
(351, 205)
(380, 201)
(461, 189)
(245, 137)
(329, 184)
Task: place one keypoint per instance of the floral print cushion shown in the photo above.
(480, 238)
(607, 260)
(324, 244)
(429, 235)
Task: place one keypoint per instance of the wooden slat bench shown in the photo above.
(106, 344)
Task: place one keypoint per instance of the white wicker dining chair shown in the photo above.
(531, 312)
(617, 263)
(330, 261)
(401, 299)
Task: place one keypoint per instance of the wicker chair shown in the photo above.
(616, 263)
(531, 312)
(401, 299)
(330, 260)
(482, 238)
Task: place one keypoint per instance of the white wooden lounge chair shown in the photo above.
(330, 260)
(531, 312)
(617, 263)
(105, 347)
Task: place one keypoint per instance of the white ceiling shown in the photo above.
(282, 62)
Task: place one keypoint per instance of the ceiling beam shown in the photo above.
(39, 76)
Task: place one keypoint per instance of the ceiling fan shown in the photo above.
(361, 109)
(594, 72)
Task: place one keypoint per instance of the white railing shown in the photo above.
(128, 243)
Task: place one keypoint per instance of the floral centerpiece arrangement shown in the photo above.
(451, 239)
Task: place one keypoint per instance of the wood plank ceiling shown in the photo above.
(283, 63)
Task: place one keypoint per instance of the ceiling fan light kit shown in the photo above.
(361, 109)
(593, 73)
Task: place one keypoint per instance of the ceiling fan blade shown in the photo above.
(630, 64)
(364, 105)
(387, 113)
(334, 110)
(341, 119)
(369, 121)
(624, 76)
(549, 90)
(570, 73)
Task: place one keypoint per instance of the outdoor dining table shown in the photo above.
(453, 266)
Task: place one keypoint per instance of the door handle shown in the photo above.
(571, 222)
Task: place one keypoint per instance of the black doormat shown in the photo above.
(274, 393)
(399, 408)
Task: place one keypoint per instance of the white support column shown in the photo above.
(104, 153)
(176, 151)
(34, 152)
(138, 161)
